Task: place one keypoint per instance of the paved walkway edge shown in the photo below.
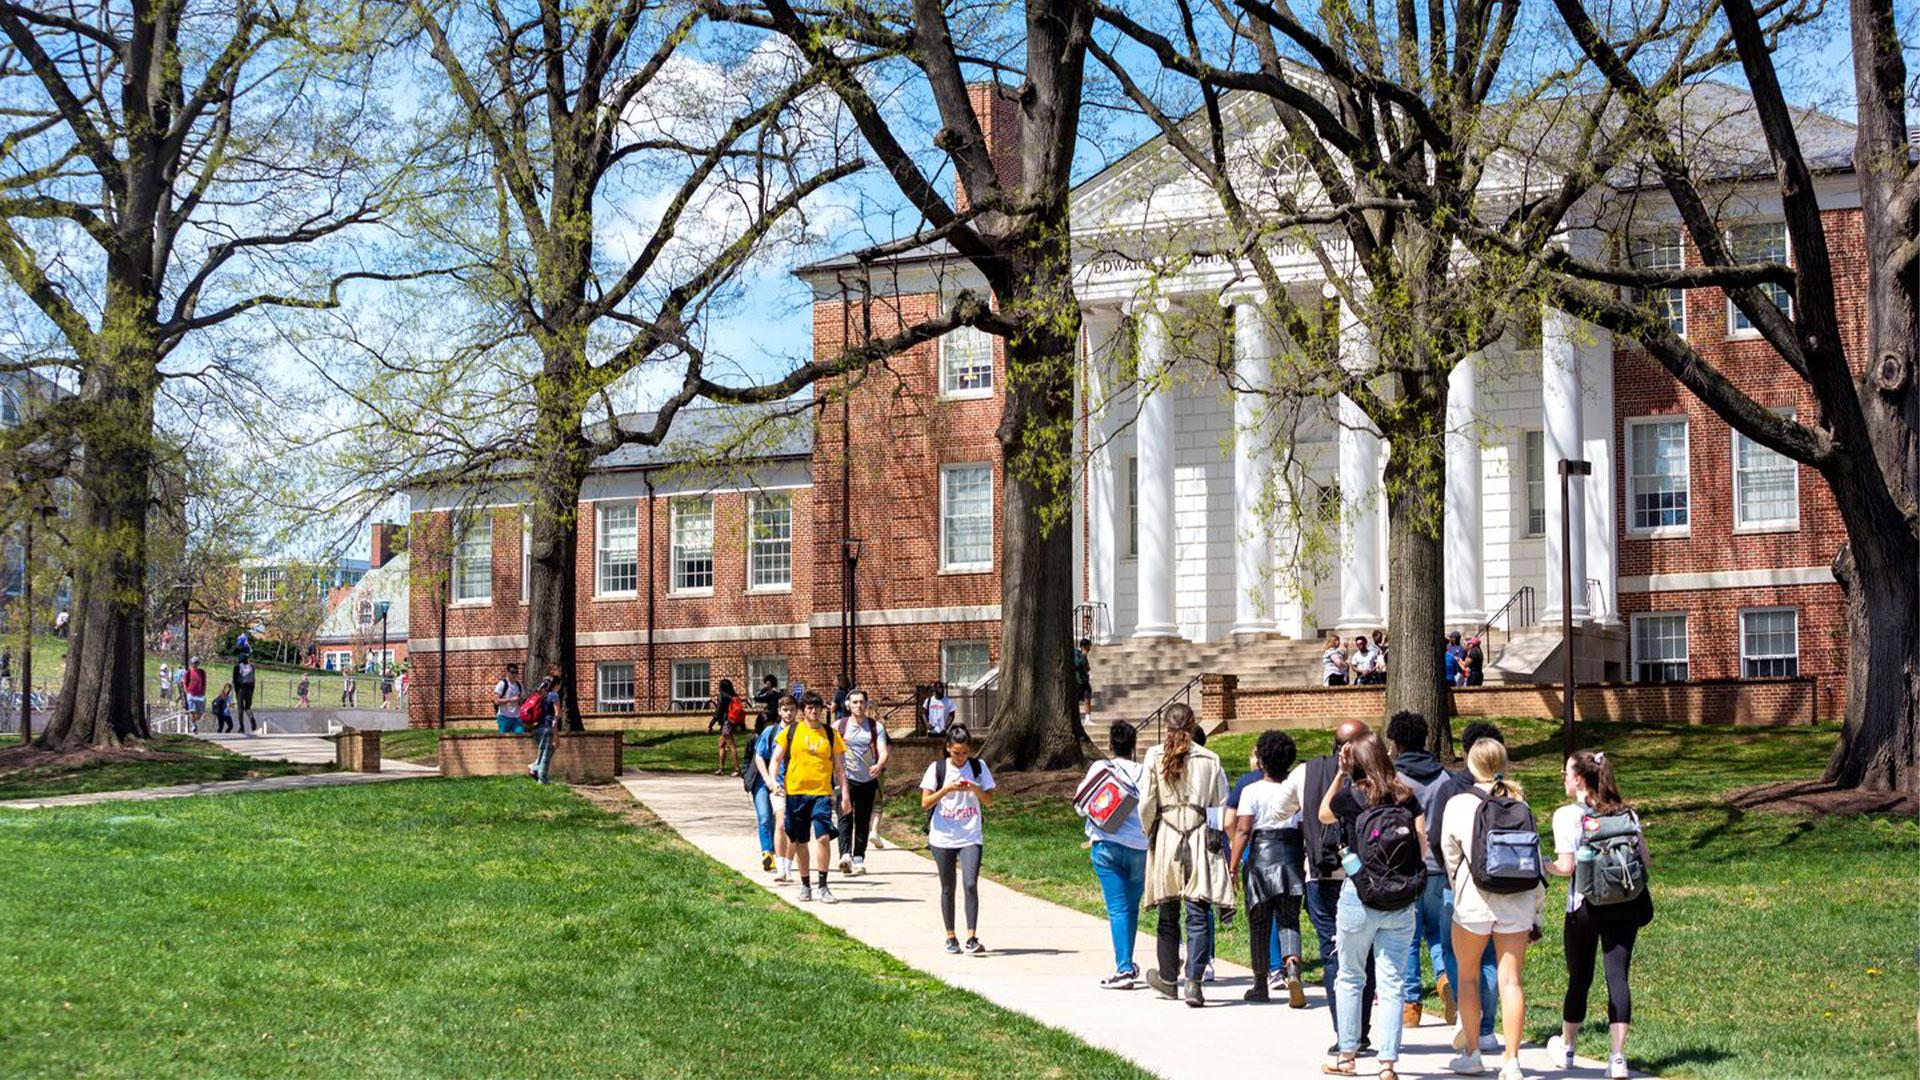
(401, 771)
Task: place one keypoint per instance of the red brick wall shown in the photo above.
(577, 757)
(1752, 702)
(998, 110)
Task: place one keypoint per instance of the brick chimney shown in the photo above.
(388, 540)
(998, 109)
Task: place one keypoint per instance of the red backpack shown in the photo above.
(530, 709)
(736, 712)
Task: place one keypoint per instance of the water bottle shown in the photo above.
(1584, 853)
(1349, 861)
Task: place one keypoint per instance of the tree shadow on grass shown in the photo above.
(1679, 1059)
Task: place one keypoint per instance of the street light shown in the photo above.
(380, 612)
(851, 549)
(1569, 468)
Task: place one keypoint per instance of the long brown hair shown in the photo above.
(1595, 773)
(1176, 741)
(1373, 773)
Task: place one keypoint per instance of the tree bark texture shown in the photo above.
(560, 463)
(1416, 567)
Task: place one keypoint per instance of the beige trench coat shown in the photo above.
(1206, 876)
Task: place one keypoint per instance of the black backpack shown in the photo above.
(1506, 845)
(1393, 869)
(940, 779)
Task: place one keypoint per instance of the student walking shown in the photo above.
(1599, 848)
(166, 676)
(549, 691)
(193, 688)
(1273, 883)
(349, 689)
(729, 716)
(507, 696)
(939, 710)
(1491, 848)
(1456, 782)
(1383, 835)
(955, 792)
(1119, 851)
(386, 687)
(866, 758)
(1306, 788)
(1407, 731)
(767, 806)
(1186, 856)
(223, 709)
(769, 701)
(243, 678)
(301, 692)
(808, 768)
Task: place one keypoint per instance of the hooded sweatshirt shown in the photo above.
(1427, 776)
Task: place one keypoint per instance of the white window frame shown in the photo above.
(1764, 525)
(954, 363)
(946, 519)
(1670, 245)
(769, 551)
(680, 559)
(1532, 440)
(363, 611)
(1780, 294)
(1793, 658)
(464, 526)
(689, 702)
(1686, 643)
(602, 702)
(336, 660)
(1133, 506)
(947, 648)
(606, 560)
(1686, 474)
(759, 667)
(261, 584)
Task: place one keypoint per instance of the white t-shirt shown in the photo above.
(1270, 804)
(508, 689)
(1333, 662)
(939, 711)
(1566, 841)
(956, 821)
(1364, 661)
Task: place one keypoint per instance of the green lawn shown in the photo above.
(273, 687)
(1781, 946)
(202, 762)
(446, 928)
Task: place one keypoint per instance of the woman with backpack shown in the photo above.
(1491, 848)
(1598, 845)
(954, 792)
(1119, 851)
(729, 715)
(1384, 838)
(1274, 881)
(222, 709)
(1186, 852)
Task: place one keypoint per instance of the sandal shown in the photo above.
(1386, 1072)
(1340, 1067)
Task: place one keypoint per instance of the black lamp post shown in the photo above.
(851, 548)
(1569, 468)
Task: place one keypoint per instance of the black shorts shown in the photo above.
(806, 812)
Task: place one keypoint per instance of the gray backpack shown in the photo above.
(1617, 873)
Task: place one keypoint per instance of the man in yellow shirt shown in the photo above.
(812, 755)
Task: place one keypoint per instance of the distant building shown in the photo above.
(22, 393)
(355, 632)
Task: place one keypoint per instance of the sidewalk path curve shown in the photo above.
(1046, 960)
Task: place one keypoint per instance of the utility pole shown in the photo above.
(1569, 468)
(26, 634)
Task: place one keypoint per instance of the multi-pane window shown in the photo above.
(691, 685)
(692, 545)
(1660, 647)
(1533, 450)
(1766, 486)
(363, 613)
(1657, 474)
(759, 667)
(473, 557)
(966, 517)
(770, 542)
(1755, 242)
(1133, 506)
(966, 363)
(262, 585)
(1769, 642)
(339, 660)
(616, 550)
(1660, 249)
(963, 663)
(613, 688)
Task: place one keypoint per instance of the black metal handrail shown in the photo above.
(1087, 619)
(1519, 609)
(1153, 722)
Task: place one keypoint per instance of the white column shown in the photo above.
(1465, 599)
(1153, 432)
(1562, 410)
(1361, 605)
(1603, 533)
(1104, 527)
(1252, 469)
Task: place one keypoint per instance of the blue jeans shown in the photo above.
(1199, 917)
(763, 813)
(510, 725)
(1123, 877)
(1433, 924)
(544, 757)
(1387, 934)
(1489, 973)
(1323, 898)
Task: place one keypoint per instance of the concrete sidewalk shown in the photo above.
(302, 749)
(1046, 960)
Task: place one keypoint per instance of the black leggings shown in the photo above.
(243, 695)
(855, 827)
(1613, 929)
(967, 861)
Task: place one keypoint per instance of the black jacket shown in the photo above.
(1453, 784)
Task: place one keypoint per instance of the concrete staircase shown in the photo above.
(1133, 678)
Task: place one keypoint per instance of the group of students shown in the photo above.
(1383, 851)
(1365, 664)
(232, 707)
(815, 779)
(516, 711)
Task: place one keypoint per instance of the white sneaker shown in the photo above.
(1208, 976)
(1467, 1064)
(859, 867)
(1561, 1053)
(1491, 1044)
(825, 895)
(1617, 1067)
(1511, 1070)
(846, 864)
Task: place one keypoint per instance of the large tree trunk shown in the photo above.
(1416, 589)
(560, 468)
(1877, 749)
(103, 694)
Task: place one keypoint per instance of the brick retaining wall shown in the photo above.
(1707, 701)
(580, 757)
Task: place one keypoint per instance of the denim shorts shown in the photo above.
(196, 703)
(803, 810)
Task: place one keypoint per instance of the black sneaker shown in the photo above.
(1258, 992)
(953, 946)
(974, 946)
(1195, 999)
(1166, 989)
